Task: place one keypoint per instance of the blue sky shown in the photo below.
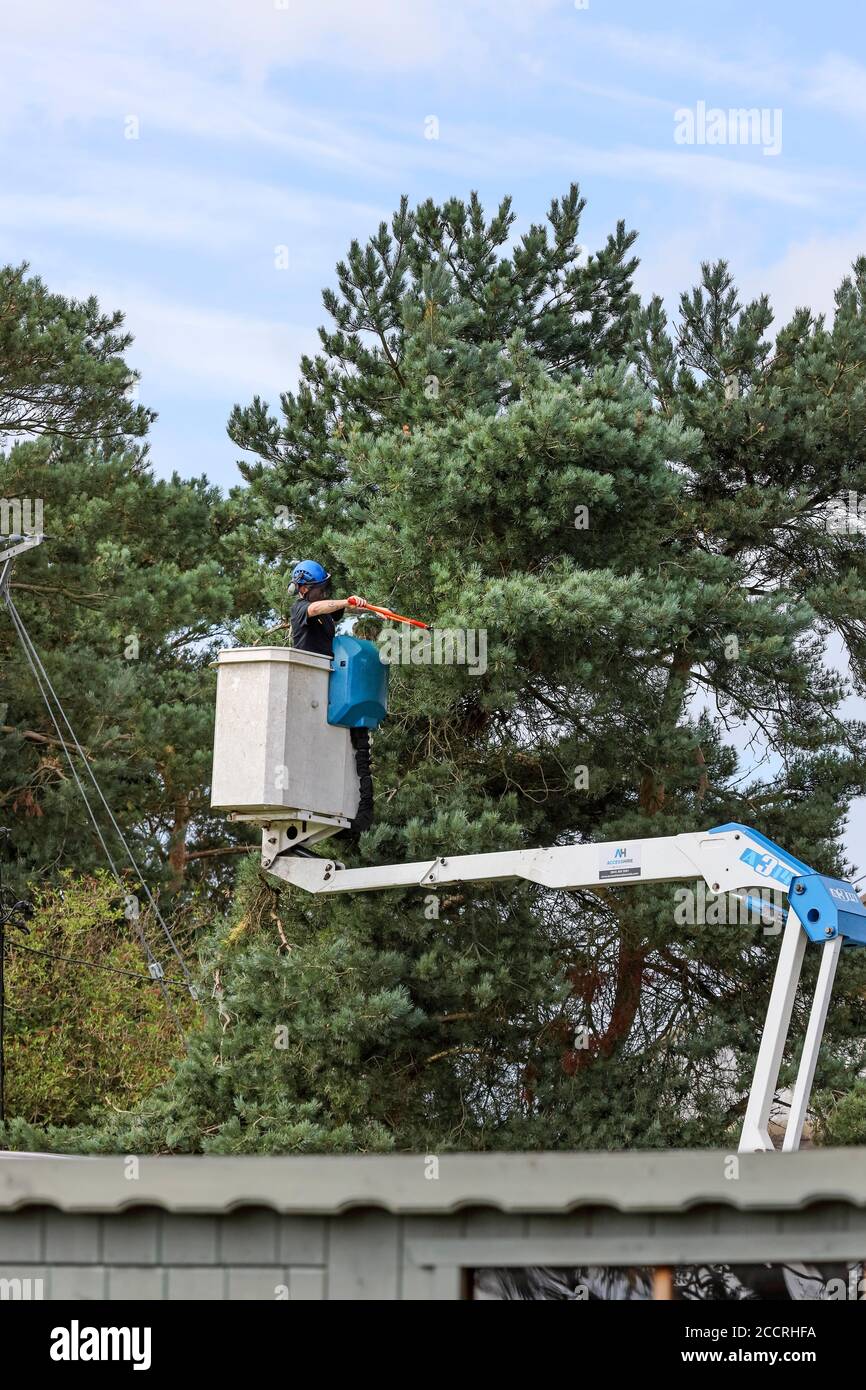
(299, 123)
(261, 126)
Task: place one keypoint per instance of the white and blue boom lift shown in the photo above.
(283, 760)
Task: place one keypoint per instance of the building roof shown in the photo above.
(669, 1181)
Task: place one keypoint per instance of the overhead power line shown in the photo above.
(91, 964)
(55, 709)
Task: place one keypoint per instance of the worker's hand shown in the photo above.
(353, 601)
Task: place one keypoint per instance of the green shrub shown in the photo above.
(77, 1036)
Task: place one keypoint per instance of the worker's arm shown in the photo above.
(333, 605)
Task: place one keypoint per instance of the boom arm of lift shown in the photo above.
(730, 859)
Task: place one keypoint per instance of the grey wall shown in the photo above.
(150, 1253)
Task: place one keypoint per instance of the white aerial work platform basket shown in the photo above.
(277, 761)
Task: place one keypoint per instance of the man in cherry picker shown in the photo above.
(313, 630)
(313, 622)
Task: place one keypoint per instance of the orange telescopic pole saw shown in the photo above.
(364, 607)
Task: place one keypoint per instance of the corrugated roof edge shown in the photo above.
(671, 1180)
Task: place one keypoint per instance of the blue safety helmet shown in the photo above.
(309, 572)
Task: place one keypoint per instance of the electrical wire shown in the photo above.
(40, 675)
(98, 789)
(26, 637)
(91, 964)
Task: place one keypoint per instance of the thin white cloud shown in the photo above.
(671, 53)
(808, 273)
(624, 96)
(252, 37)
(719, 176)
(839, 84)
(745, 173)
(67, 91)
(805, 273)
(214, 351)
(135, 203)
(833, 83)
